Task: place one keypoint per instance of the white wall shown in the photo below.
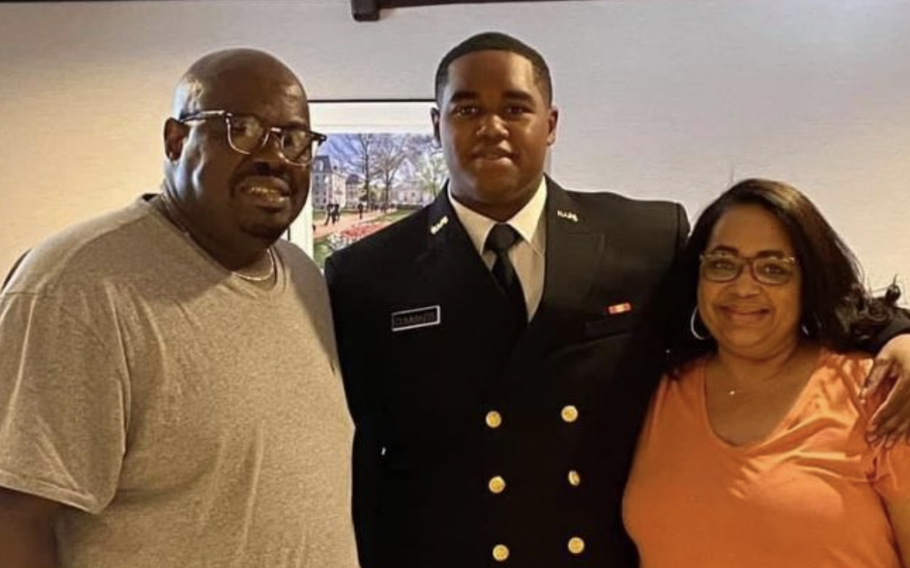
(659, 98)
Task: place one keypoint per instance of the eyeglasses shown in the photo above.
(246, 134)
(726, 267)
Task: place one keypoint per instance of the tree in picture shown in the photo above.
(363, 182)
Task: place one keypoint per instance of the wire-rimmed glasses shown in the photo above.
(247, 133)
(766, 269)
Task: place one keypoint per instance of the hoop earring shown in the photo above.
(692, 329)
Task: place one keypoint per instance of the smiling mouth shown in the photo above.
(745, 314)
(271, 192)
(268, 197)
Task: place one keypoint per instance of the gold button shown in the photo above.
(574, 478)
(494, 419)
(500, 553)
(497, 485)
(576, 545)
(569, 414)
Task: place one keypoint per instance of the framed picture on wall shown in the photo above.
(379, 165)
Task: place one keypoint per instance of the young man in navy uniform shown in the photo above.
(499, 347)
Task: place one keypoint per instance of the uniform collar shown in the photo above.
(528, 222)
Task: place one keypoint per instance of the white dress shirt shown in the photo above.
(528, 255)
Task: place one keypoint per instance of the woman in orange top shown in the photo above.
(754, 453)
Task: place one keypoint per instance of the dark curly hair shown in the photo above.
(838, 312)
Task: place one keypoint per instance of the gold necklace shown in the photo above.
(170, 212)
(262, 277)
(772, 379)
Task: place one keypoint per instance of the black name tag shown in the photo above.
(416, 318)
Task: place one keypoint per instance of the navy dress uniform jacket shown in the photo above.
(472, 450)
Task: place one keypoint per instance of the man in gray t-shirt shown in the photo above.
(169, 393)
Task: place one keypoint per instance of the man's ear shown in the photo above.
(434, 116)
(552, 119)
(175, 133)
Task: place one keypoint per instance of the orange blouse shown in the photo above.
(808, 495)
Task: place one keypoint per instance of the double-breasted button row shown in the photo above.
(576, 546)
(569, 415)
(497, 484)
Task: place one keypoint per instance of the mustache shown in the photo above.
(265, 170)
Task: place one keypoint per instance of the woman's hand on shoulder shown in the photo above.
(891, 372)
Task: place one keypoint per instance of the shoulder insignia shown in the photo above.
(570, 215)
(435, 228)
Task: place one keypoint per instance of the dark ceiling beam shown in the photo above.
(365, 10)
(369, 10)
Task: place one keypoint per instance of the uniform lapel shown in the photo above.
(452, 268)
(447, 241)
(573, 255)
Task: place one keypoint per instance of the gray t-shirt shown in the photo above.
(188, 417)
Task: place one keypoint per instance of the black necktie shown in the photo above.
(500, 240)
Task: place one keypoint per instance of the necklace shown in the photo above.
(261, 277)
(774, 380)
(170, 212)
(740, 390)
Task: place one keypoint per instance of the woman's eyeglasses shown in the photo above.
(727, 267)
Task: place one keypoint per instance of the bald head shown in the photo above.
(220, 77)
(236, 200)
